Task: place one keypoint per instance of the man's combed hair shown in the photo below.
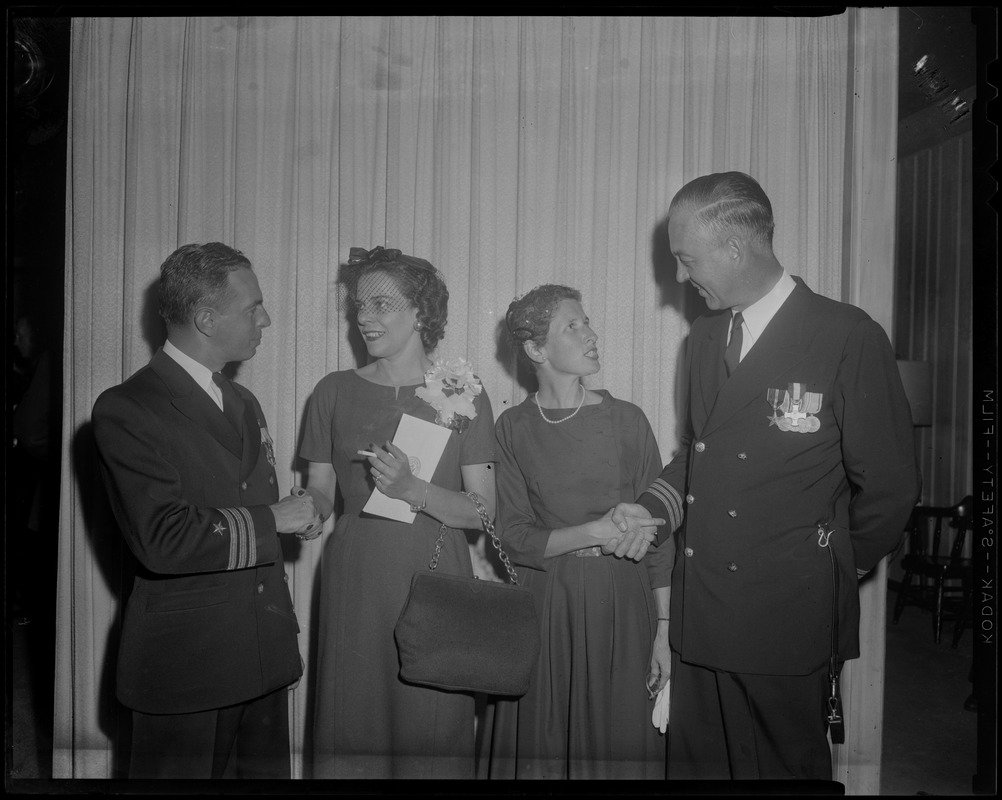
(528, 317)
(725, 202)
(194, 276)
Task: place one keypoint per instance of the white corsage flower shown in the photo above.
(449, 388)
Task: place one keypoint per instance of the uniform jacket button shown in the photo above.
(732, 513)
(700, 447)
(743, 456)
(688, 552)
(243, 486)
(285, 577)
(271, 479)
(690, 499)
(732, 567)
(260, 588)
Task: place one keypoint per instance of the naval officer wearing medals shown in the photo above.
(795, 477)
(209, 642)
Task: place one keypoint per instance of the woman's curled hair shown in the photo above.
(528, 317)
(415, 278)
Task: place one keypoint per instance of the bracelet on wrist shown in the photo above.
(424, 503)
(664, 619)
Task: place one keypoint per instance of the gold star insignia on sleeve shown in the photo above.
(218, 528)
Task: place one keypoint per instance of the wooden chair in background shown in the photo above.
(937, 564)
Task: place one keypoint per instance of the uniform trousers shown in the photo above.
(735, 726)
(247, 740)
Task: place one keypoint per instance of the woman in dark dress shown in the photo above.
(369, 723)
(567, 455)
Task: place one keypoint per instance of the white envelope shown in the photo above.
(424, 443)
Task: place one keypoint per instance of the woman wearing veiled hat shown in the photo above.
(369, 723)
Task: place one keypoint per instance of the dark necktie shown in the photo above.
(732, 355)
(231, 403)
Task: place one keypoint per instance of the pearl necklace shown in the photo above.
(584, 394)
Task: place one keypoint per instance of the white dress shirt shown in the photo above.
(759, 314)
(200, 373)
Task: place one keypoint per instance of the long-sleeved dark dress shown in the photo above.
(587, 713)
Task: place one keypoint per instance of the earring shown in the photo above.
(418, 326)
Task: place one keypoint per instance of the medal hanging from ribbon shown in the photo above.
(269, 446)
(798, 407)
(776, 398)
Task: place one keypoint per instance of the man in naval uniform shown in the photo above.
(209, 639)
(795, 477)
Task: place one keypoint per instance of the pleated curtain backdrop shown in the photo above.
(509, 151)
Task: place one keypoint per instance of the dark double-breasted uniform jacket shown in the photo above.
(210, 621)
(798, 468)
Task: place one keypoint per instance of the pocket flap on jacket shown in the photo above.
(188, 599)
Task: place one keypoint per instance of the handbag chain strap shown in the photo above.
(488, 527)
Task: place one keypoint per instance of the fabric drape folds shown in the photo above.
(508, 151)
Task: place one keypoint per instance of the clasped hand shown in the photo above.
(303, 513)
(635, 530)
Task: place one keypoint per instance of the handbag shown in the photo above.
(466, 634)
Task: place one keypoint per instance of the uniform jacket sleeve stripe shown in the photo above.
(670, 499)
(243, 544)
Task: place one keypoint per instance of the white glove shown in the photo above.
(660, 716)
